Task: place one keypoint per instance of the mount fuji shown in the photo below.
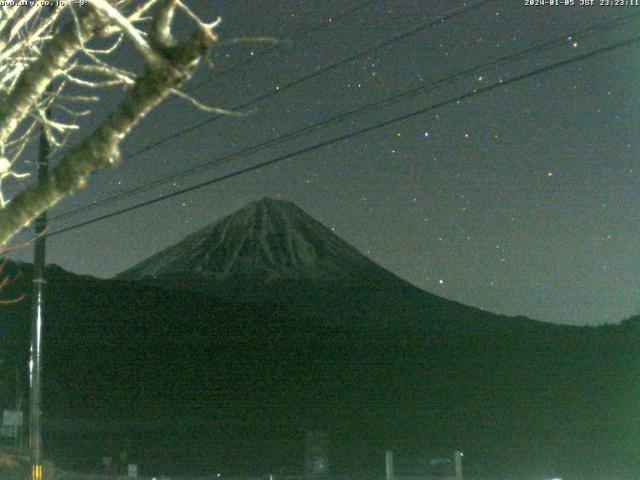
(271, 250)
(264, 241)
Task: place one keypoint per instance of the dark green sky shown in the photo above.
(522, 200)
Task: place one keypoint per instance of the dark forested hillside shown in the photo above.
(195, 382)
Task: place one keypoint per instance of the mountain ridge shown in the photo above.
(289, 256)
(264, 240)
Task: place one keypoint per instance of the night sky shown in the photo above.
(521, 200)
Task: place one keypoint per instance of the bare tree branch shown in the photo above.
(37, 77)
(205, 108)
(168, 67)
(129, 30)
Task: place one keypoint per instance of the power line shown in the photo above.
(302, 33)
(327, 68)
(361, 131)
(232, 69)
(264, 52)
(406, 94)
(439, 20)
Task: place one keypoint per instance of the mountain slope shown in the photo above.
(195, 384)
(272, 251)
(265, 240)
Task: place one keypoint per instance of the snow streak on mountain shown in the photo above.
(266, 240)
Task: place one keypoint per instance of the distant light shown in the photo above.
(440, 281)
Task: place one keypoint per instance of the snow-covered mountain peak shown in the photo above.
(266, 239)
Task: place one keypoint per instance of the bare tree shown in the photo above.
(60, 57)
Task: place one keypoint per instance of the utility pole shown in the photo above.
(389, 465)
(457, 459)
(19, 441)
(37, 305)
